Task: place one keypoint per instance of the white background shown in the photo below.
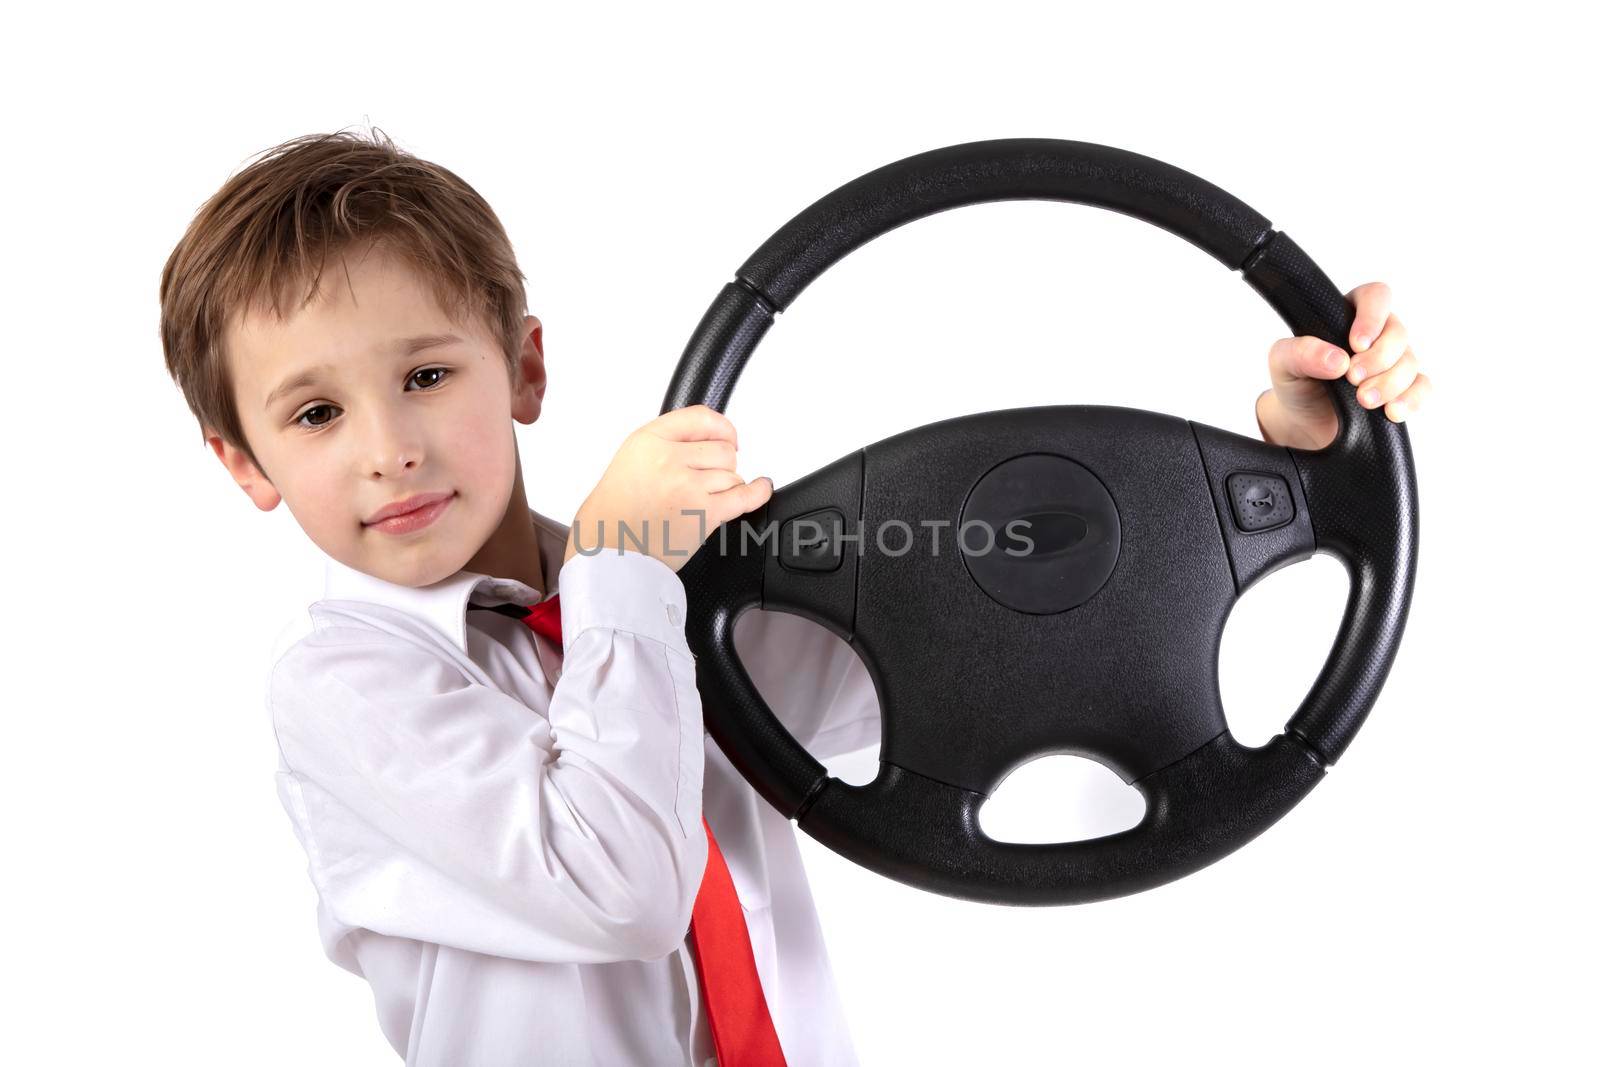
(1429, 902)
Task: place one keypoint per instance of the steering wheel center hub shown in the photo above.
(1039, 533)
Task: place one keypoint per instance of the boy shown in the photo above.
(503, 822)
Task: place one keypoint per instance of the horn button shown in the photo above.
(1039, 533)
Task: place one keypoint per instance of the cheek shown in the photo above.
(320, 503)
(481, 448)
(324, 493)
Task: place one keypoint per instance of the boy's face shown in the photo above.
(380, 424)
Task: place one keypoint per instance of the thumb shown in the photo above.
(746, 498)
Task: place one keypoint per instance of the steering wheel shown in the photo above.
(1118, 541)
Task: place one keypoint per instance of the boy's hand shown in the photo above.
(666, 472)
(1297, 411)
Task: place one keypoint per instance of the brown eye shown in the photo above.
(301, 421)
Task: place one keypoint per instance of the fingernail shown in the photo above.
(1370, 397)
(1362, 341)
(1357, 373)
(1331, 360)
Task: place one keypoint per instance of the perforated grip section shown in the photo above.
(721, 345)
(1362, 494)
(1021, 168)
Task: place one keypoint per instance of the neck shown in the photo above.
(512, 551)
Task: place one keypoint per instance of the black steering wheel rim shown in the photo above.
(1206, 794)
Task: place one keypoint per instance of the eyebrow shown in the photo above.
(404, 346)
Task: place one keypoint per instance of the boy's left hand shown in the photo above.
(1297, 411)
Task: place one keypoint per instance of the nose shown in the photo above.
(392, 441)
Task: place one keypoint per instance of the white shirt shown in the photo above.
(505, 836)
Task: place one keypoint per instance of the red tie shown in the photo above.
(741, 1028)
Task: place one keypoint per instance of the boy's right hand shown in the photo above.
(666, 473)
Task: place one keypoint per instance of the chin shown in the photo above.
(415, 569)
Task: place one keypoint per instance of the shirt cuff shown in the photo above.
(622, 590)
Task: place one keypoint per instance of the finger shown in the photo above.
(697, 422)
(1389, 347)
(1292, 358)
(740, 498)
(713, 480)
(709, 484)
(1372, 302)
(709, 455)
(1407, 403)
(1391, 383)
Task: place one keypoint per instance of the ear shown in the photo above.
(255, 484)
(528, 382)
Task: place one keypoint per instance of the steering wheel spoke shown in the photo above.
(926, 833)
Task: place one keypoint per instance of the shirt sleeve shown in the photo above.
(812, 680)
(443, 810)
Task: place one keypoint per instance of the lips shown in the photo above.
(409, 504)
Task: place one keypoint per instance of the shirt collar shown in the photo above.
(444, 603)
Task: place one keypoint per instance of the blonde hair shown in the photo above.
(275, 223)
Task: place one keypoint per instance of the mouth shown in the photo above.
(409, 514)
